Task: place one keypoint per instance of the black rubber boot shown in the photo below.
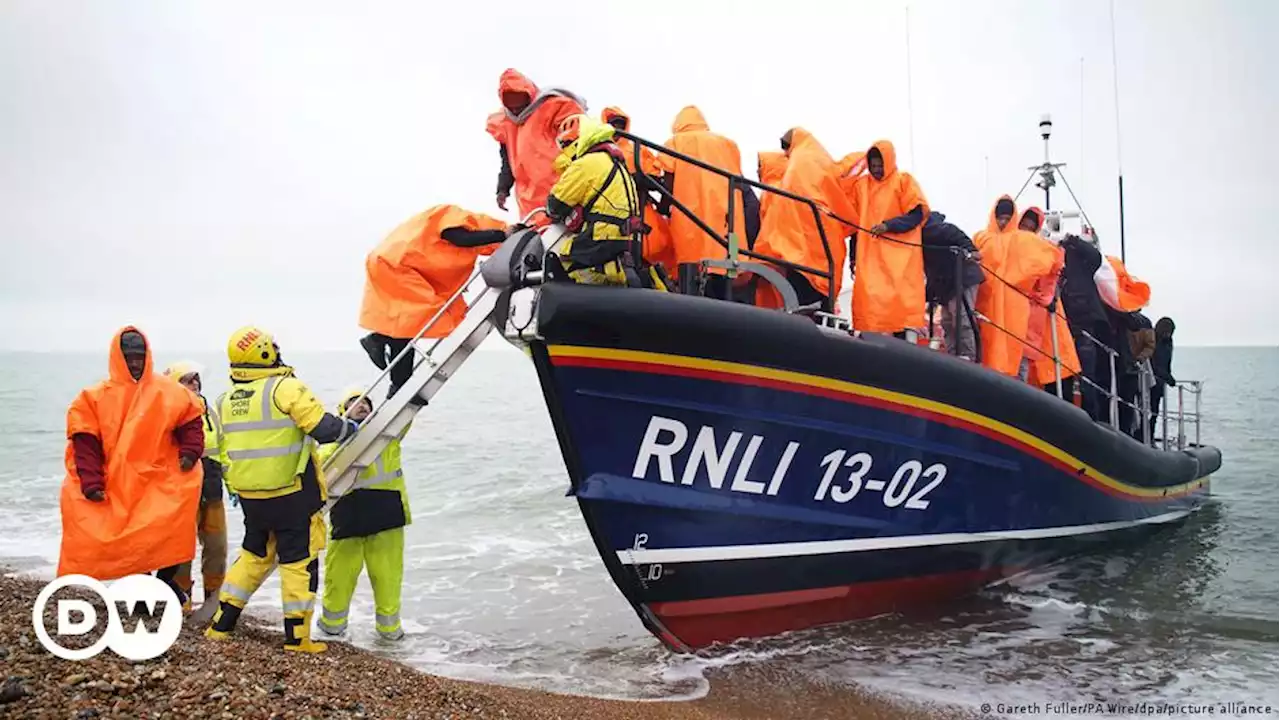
(376, 348)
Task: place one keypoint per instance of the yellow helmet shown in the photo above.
(350, 395)
(570, 130)
(181, 369)
(252, 347)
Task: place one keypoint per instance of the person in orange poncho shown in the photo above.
(658, 249)
(1013, 261)
(790, 232)
(412, 274)
(888, 286)
(1039, 355)
(526, 129)
(704, 193)
(133, 482)
(771, 165)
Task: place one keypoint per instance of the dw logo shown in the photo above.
(144, 617)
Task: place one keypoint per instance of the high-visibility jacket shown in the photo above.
(266, 449)
(378, 501)
(212, 432)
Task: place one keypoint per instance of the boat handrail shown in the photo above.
(1146, 380)
(744, 183)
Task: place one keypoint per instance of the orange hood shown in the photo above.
(689, 119)
(889, 155)
(1037, 213)
(117, 367)
(514, 81)
(611, 112)
(772, 166)
(992, 226)
(800, 138)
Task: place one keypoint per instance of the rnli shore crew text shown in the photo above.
(665, 437)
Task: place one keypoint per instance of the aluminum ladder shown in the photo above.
(433, 367)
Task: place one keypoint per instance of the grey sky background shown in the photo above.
(195, 167)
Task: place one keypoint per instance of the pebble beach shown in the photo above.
(250, 676)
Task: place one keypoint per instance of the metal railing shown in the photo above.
(730, 241)
(1141, 411)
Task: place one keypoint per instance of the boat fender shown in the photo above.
(507, 266)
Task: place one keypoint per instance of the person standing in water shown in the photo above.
(270, 424)
(367, 533)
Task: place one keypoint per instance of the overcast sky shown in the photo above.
(192, 167)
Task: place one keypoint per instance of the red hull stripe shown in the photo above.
(699, 623)
(721, 371)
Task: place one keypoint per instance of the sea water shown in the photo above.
(503, 584)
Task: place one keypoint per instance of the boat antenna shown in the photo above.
(1050, 172)
(1048, 169)
(1115, 84)
(1082, 123)
(911, 123)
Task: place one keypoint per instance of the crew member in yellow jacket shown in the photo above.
(595, 197)
(367, 531)
(271, 422)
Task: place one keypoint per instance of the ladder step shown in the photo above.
(436, 364)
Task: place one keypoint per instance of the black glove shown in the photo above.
(186, 462)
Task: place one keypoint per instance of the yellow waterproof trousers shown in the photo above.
(297, 552)
(211, 526)
(383, 554)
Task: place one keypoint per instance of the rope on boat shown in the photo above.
(1077, 372)
(1051, 306)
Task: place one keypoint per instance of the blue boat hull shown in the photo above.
(733, 496)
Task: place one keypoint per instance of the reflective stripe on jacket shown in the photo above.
(212, 432)
(264, 446)
(378, 501)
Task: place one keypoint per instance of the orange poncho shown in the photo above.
(1118, 289)
(657, 242)
(705, 194)
(148, 519)
(1040, 340)
(648, 161)
(1038, 335)
(1017, 258)
(789, 230)
(530, 137)
(851, 174)
(414, 272)
(770, 168)
(772, 165)
(888, 286)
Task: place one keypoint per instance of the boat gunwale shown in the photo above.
(716, 339)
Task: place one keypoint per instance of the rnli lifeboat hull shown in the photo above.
(745, 473)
